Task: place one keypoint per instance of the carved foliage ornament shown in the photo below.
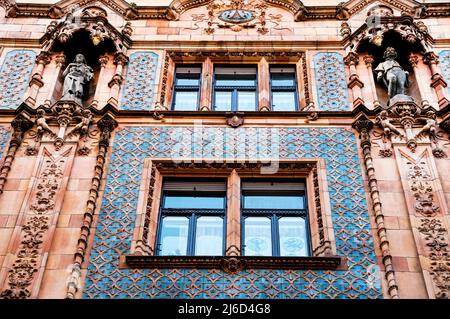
(236, 15)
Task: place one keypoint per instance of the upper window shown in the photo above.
(275, 220)
(186, 92)
(192, 218)
(283, 88)
(235, 89)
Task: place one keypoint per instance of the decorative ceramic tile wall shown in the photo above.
(117, 217)
(4, 137)
(444, 62)
(139, 89)
(14, 77)
(331, 83)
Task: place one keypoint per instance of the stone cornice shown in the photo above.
(172, 12)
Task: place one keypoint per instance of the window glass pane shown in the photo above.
(222, 101)
(235, 80)
(193, 202)
(283, 101)
(186, 101)
(293, 241)
(188, 76)
(209, 236)
(174, 236)
(246, 101)
(283, 79)
(274, 202)
(188, 79)
(258, 236)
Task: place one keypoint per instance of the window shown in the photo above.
(274, 218)
(235, 89)
(186, 88)
(192, 218)
(283, 88)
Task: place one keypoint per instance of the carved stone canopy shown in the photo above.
(98, 27)
(374, 31)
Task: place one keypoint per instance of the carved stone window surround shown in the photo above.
(209, 58)
(322, 233)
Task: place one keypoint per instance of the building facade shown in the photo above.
(224, 149)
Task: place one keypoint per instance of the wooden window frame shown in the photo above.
(185, 88)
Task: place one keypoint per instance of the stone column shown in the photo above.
(368, 60)
(437, 81)
(354, 83)
(103, 60)
(120, 60)
(207, 85)
(363, 125)
(233, 238)
(106, 125)
(60, 61)
(20, 125)
(263, 85)
(36, 81)
(414, 60)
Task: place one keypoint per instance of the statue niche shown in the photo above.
(394, 77)
(76, 76)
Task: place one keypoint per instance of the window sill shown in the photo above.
(232, 264)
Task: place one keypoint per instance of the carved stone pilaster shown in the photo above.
(106, 124)
(437, 80)
(36, 223)
(363, 125)
(20, 125)
(427, 210)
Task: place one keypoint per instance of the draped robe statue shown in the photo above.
(76, 76)
(391, 73)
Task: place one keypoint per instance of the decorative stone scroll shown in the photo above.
(236, 15)
(14, 77)
(139, 89)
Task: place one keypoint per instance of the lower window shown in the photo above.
(275, 220)
(192, 218)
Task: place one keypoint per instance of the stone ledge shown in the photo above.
(235, 263)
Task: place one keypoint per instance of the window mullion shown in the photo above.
(191, 234)
(275, 236)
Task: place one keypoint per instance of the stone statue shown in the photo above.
(391, 73)
(41, 123)
(430, 126)
(83, 126)
(385, 123)
(76, 76)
